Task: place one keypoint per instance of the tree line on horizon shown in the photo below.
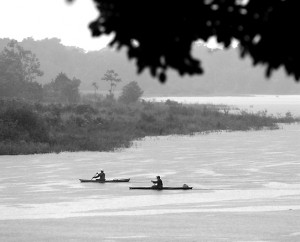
(225, 73)
(19, 69)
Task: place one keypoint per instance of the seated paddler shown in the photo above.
(158, 184)
(100, 175)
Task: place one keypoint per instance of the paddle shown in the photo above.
(94, 176)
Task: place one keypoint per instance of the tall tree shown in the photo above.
(18, 70)
(113, 78)
(28, 65)
(160, 34)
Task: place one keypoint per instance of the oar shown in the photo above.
(94, 176)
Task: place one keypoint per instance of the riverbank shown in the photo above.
(29, 128)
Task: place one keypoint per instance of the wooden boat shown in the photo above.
(113, 180)
(164, 188)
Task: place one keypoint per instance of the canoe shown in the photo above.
(164, 188)
(98, 181)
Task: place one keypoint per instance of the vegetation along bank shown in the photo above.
(28, 127)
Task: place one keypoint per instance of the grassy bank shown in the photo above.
(28, 128)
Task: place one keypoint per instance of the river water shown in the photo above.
(246, 187)
(274, 104)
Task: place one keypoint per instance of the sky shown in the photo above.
(42, 19)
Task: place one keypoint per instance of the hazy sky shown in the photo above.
(42, 19)
(50, 18)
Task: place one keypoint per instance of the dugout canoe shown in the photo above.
(113, 180)
(164, 188)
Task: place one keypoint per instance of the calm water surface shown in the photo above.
(230, 171)
(241, 174)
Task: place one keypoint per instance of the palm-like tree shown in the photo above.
(112, 77)
(96, 87)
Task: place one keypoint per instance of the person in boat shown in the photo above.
(101, 175)
(158, 184)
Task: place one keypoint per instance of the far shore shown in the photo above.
(34, 128)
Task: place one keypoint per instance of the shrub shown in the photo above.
(131, 93)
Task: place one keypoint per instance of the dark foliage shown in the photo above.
(62, 89)
(159, 34)
(131, 93)
(21, 123)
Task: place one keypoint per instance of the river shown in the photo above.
(246, 187)
(274, 104)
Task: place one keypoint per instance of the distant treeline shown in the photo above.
(19, 69)
(225, 73)
(29, 127)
